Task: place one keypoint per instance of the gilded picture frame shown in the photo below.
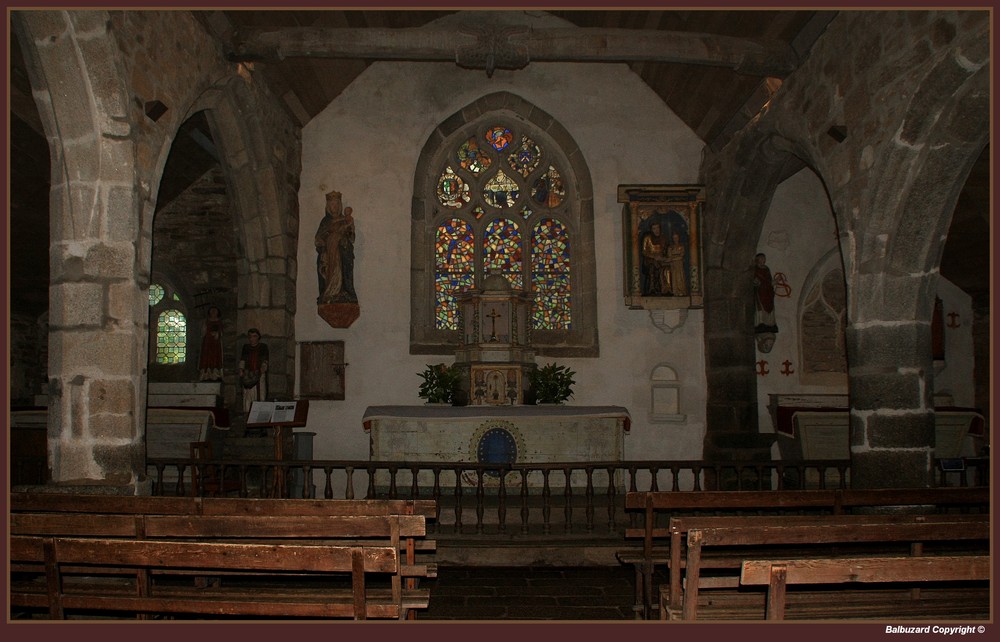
(661, 231)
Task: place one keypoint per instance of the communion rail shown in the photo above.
(547, 498)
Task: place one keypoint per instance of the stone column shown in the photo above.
(98, 310)
(891, 383)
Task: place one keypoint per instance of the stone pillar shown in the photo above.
(891, 380)
(98, 310)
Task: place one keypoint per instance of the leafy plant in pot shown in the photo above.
(440, 383)
(551, 383)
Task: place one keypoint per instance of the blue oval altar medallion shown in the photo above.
(497, 446)
(496, 442)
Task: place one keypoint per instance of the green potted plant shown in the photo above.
(551, 383)
(440, 383)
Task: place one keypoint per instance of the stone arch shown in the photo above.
(740, 181)
(580, 341)
(265, 210)
(893, 265)
(106, 156)
(97, 312)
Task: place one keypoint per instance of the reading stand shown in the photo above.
(282, 417)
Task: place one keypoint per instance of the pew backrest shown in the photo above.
(776, 574)
(833, 531)
(96, 553)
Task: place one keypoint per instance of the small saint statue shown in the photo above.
(253, 369)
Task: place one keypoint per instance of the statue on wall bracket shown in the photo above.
(337, 303)
(662, 235)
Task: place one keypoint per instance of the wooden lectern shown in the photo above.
(282, 417)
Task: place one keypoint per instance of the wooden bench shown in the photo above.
(106, 555)
(659, 506)
(399, 523)
(767, 533)
(414, 543)
(778, 574)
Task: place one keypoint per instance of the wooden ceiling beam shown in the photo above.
(513, 47)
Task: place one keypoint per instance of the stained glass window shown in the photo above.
(471, 157)
(550, 270)
(502, 251)
(452, 191)
(548, 189)
(525, 158)
(499, 137)
(454, 271)
(156, 293)
(501, 191)
(171, 337)
(500, 167)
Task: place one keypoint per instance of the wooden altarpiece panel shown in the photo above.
(321, 370)
(662, 238)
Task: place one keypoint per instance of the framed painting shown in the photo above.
(662, 239)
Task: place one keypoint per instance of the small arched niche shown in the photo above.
(665, 395)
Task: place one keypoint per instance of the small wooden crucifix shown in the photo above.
(493, 315)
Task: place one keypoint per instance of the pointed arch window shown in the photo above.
(169, 325)
(500, 195)
(485, 179)
(171, 337)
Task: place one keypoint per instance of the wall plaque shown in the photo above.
(321, 370)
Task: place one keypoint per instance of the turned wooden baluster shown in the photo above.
(480, 504)
(502, 502)
(568, 496)
(546, 506)
(590, 498)
(524, 501)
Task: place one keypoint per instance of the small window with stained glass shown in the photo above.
(168, 331)
(171, 337)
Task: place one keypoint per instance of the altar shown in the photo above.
(516, 434)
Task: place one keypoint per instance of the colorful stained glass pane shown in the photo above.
(526, 157)
(454, 272)
(526, 212)
(156, 293)
(446, 289)
(478, 212)
(502, 251)
(452, 191)
(499, 137)
(472, 157)
(501, 191)
(548, 188)
(454, 246)
(171, 337)
(550, 269)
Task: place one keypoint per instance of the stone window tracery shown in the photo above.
(502, 193)
(491, 177)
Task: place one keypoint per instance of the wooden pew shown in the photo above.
(146, 597)
(777, 574)
(401, 523)
(659, 506)
(768, 532)
(21, 502)
(679, 527)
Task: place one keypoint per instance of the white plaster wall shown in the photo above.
(798, 234)
(366, 145)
